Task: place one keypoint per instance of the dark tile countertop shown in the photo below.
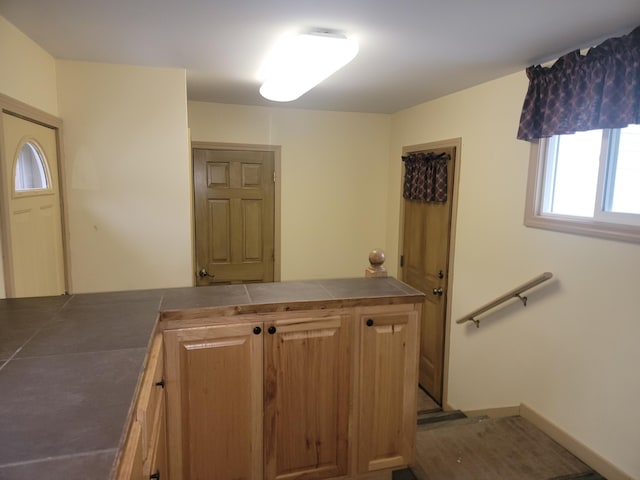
(70, 365)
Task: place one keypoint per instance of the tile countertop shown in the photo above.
(70, 365)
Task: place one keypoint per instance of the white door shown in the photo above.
(32, 233)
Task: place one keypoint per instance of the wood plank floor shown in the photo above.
(508, 448)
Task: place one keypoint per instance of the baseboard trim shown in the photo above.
(494, 412)
(580, 450)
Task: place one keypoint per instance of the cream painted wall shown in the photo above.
(127, 176)
(28, 75)
(572, 353)
(28, 71)
(334, 180)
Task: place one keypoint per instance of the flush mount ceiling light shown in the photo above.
(299, 63)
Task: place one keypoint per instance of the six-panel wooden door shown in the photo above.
(234, 215)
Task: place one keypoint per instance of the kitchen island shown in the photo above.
(71, 367)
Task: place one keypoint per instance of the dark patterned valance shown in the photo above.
(584, 92)
(425, 177)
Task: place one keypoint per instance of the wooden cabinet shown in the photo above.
(217, 395)
(307, 395)
(215, 402)
(144, 454)
(388, 382)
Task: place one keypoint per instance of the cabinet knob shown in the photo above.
(271, 330)
(155, 476)
(257, 330)
(369, 322)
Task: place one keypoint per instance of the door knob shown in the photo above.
(438, 291)
(203, 273)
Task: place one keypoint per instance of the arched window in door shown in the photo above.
(31, 171)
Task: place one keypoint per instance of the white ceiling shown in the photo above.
(411, 51)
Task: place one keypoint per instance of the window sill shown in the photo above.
(585, 226)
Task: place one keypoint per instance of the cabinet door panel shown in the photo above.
(307, 397)
(214, 395)
(130, 465)
(388, 383)
(150, 393)
(157, 456)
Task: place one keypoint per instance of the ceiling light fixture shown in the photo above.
(299, 63)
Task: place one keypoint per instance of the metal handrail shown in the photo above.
(515, 293)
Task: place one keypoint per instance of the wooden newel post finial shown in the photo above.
(376, 261)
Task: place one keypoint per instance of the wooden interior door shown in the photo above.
(425, 266)
(214, 386)
(307, 396)
(234, 215)
(32, 234)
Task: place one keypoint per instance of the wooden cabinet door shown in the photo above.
(157, 455)
(130, 464)
(307, 396)
(388, 387)
(214, 386)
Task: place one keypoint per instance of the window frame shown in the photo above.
(49, 189)
(603, 225)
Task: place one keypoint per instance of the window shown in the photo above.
(31, 171)
(587, 183)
